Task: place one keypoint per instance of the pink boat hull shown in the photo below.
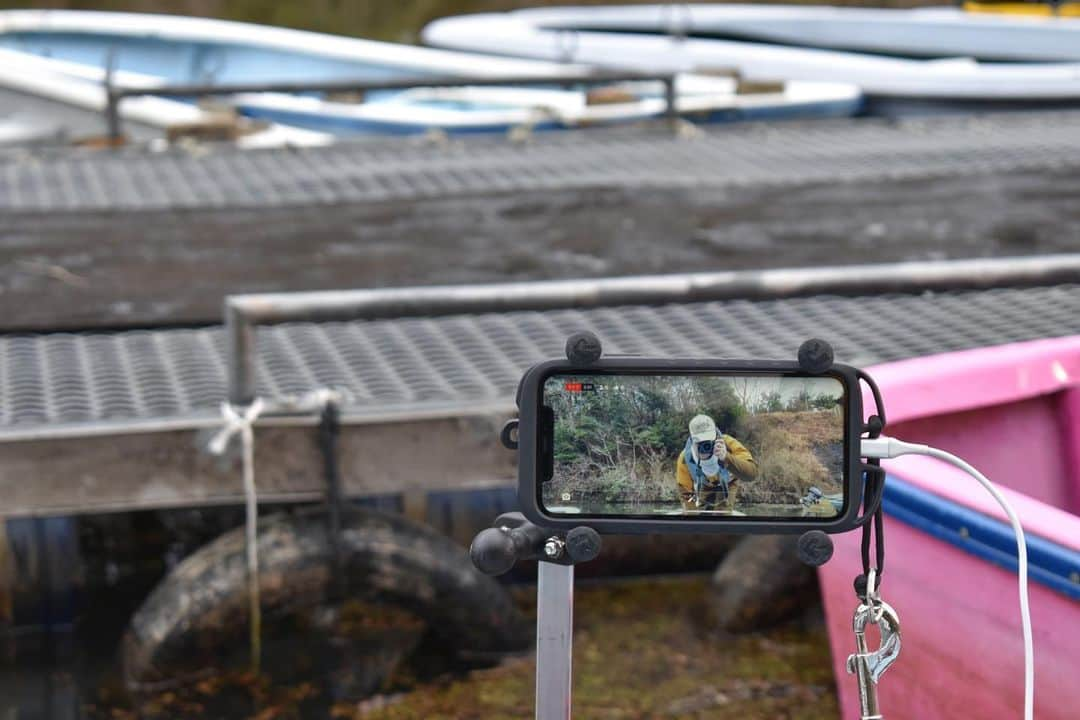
(1014, 412)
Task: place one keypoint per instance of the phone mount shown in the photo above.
(513, 538)
(497, 549)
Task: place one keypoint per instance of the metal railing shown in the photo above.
(243, 313)
(114, 94)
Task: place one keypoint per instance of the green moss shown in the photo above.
(645, 649)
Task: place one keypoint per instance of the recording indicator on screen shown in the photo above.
(580, 387)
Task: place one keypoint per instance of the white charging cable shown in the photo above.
(884, 448)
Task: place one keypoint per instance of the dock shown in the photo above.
(101, 422)
(114, 367)
(118, 266)
(137, 239)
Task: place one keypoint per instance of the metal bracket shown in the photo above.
(513, 538)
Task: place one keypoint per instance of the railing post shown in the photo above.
(112, 117)
(112, 104)
(671, 109)
(240, 355)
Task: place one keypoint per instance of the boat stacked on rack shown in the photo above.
(47, 100)
(66, 56)
(938, 57)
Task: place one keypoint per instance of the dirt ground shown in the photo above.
(646, 649)
(83, 270)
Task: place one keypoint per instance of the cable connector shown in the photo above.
(883, 448)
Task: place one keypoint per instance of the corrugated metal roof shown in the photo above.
(843, 151)
(76, 380)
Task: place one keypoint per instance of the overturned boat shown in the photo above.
(148, 51)
(468, 109)
(893, 85)
(931, 33)
(48, 101)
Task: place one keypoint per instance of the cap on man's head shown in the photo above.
(702, 428)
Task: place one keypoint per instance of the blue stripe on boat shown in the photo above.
(1050, 564)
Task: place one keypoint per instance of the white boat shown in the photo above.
(149, 50)
(531, 34)
(206, 51)
(484, 109)
(81, 88)
(936, 32)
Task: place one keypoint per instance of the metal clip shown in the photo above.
(868, 666)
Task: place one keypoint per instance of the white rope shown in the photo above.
(241, 422)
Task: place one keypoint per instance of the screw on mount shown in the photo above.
(496, 550)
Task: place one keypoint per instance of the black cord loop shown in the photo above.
(872, 519)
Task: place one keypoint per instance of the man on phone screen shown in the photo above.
(710, 466)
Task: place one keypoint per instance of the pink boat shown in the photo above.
(1014, 412)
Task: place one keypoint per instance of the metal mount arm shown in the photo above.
(513, 538)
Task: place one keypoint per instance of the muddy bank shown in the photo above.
(83, 270)
(647, 648)
(644, 648)
(62, 657)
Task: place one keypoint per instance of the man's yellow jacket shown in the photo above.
(738, 460)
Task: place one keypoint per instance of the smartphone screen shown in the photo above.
(693, 445)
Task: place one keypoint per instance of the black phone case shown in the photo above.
(531, 468)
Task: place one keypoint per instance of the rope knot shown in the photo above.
(238, 421)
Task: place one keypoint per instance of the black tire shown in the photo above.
(198, 615)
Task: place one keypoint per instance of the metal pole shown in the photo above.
(112, 102)
(583, 76)
(112, 117)
(670, 97)
(554, 640)
(244, 312)
(240, 349)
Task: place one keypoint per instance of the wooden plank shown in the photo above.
(171, 469)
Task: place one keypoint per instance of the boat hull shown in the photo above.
(932, 32)
(404, 119)
(950, 564)
(962, 652)
(154, 50)
(519, 34)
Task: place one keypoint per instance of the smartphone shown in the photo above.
(640, 445)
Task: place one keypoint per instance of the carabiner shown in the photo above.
(868, 667)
